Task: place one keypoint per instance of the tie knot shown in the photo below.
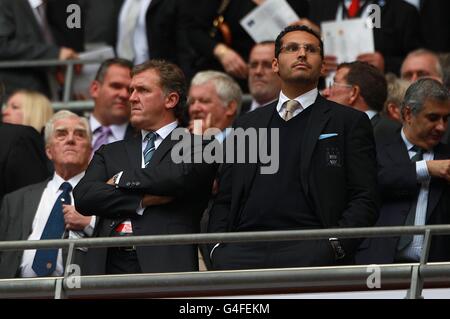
(66, 187)
(292, 105)
(419, 153)
(104, 130)
(151, 136)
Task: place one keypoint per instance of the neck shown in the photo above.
(101, 119)
(293, 91)
(67, 173)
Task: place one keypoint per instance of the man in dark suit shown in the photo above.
(109, 121)
(326, 175)
(160, 32)
(30, 212)
(398, 34)
(28, 33)
(414, 175)
(142, 167)
(364, 88)
(22, 157)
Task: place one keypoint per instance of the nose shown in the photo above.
(124, 93)
(5, 111)
(414, 77)
(195, 107)
(326, 93)
(441, 126)
(133, 96)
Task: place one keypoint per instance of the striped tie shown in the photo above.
(150, 148)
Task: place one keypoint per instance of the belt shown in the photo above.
(127, 248)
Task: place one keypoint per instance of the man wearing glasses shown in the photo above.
(326, 176)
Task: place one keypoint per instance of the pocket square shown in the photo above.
(324, 136)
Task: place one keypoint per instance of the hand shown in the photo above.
(197, 129)
(73, 219)
(307, 23)
(329, 64)
(231, 61)
(439, 169)
(67, 54)
(376, 59)
(154, 200)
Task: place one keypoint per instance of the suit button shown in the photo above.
(128, 184)
(138, 183)
(133, 184)
(112, 224)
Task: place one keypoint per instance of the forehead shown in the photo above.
(146, 78)
(15, 98)
(263, 52)
(341, 74)
(117, 71)
(203, 89)
(70, 123)
(423, 62)
(300, 37)
(436, 107)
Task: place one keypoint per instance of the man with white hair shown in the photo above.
(421, 63)
(46, 210)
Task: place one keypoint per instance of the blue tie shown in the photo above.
(150, 148)
(44, 263)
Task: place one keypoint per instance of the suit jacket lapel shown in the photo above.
(436, 186)
(153, 4)
(33, 197)
(263, 121)
(165, 146)
(134, 149)
(319, 117)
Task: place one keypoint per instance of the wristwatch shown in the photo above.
(339, 252)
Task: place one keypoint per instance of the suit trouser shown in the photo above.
(306, 253)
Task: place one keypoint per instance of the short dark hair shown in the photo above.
(100, 76)
(421, 91)
(371, 82)
(292, 28)
(171, 79)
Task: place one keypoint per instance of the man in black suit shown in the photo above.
(22, 158)
(123, 176)
(30, 212)
(399, 32)
(414, 175)
(109, 121)
(159, 32)
(32, 30)
(326, 175)
(363, 87)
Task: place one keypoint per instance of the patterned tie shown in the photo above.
(44, 263)
(126, 46)
(291, 107)
(353, 9)
(41, 9)
(150, 148)
(102, 138)
(407, 239)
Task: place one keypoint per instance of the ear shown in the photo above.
(275, 65)
(407, 114)
(171, 100)
(94, 88)
(48, 152)
(323, 69)
(231, 109)
(354, 94)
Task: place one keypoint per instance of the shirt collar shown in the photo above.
(305, 99)
(163, 132)
(371, 113)
(35, 3)
(56, 181)
(118, 131)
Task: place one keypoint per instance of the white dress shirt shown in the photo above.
(117, 131)
(140, 41)
(414, 249)
(371, 113)
(305, 101)
(48, 199)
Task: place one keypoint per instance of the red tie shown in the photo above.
(353, 9)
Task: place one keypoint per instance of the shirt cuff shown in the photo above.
(422, 171)
(89, 229)
(117, 178)
(140, 209)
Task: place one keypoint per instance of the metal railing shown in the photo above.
(170, 284)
